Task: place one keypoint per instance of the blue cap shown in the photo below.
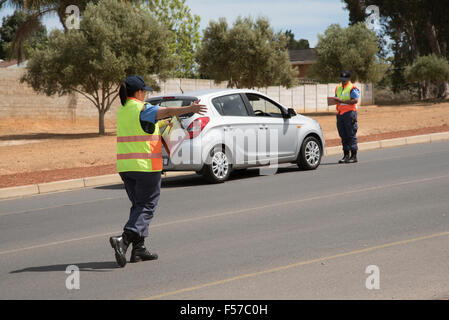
(135, 83)
(345, 76)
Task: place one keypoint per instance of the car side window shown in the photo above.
(230, 105)
(266, 107)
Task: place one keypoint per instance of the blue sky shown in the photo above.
(306, 18)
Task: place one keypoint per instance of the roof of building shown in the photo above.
(6, 63)
(303, 55)
(12, 64)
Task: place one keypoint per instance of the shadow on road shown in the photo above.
(331, 164)
(111, 187)
(236, 175)
(85, 266)
(194, 179)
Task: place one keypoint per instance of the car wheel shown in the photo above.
(219, 166)
(310, 154)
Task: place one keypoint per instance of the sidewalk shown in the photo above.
(89, 182)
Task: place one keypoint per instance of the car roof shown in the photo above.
(204, 93)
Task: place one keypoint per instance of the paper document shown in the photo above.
(173, 135)
(331, 101)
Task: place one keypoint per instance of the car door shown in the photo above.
(239, 129)
(278, 129)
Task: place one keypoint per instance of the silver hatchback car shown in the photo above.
(241, 129)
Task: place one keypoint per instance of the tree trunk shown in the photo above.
(73, 100)
(433, 39)
(443, 46)
(62, 18)
(426, 89)
(420, 91)
(101, 129)
(444, 91)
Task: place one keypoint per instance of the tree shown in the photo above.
(185, 36)
(248, 55)
(113, 41)
(353, 48)
(36, 10)
(9, 26)
(416, 28)
(293, 44)
(431, 69)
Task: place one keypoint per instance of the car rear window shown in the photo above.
(173, 102)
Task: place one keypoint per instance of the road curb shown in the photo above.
(102, 180)
(61, 185)
(73, 184)
(389, 143)
(19, 191)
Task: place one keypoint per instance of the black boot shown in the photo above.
(345, 158)
(140, 253)
(120, 244)
(353, 158)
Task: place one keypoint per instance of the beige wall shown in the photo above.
(19, 100)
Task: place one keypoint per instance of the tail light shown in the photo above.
(195, 128)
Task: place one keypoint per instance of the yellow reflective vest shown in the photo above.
(345, 95)
(136, 149)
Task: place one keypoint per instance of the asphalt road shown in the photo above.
(294, 235)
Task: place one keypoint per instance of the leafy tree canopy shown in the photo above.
(185, 36)
(428, 68)
(416, 28)
(250, 54)
(10, 24)
(114, 41)
(35, 10)
(354, 48)
(295, 44)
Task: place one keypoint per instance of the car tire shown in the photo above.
(310, 155)
(218, 167)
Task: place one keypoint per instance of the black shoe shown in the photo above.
(353, 158)
(345, 158)
(140, 252)
(120, 244)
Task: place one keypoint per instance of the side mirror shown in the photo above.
(290, 113)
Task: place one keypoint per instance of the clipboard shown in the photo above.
(173, 135)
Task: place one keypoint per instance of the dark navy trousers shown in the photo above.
(143, 189)
(347, 129)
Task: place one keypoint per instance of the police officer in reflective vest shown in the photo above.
(347, 96)
(139, 163)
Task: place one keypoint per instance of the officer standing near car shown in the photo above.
(139, 163)
(346, 96)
